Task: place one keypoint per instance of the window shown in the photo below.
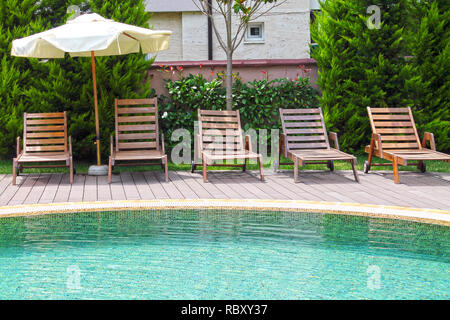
(255, 32)
(313, 19)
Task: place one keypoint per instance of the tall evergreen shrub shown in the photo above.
(360, 67)
(34, 85)
(430, 47)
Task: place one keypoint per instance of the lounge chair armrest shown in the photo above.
(248, 143)
(18, 146)
(428, 136)
(70, 145)
(375, 143)
(163, 147)
(334, 138)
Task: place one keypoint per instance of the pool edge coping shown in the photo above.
(432, 216)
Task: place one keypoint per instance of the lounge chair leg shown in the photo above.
(165, 168)
(370, 158)
(14, 172)
(109, 170)
(355, 172)
(260, 168)
(71, 170)
(330, 165)
(244, 166)
(421, 166)
(296, 170)
(395, 167)
(205, 174)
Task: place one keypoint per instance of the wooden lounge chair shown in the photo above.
(220, 138)
(395, 138)
(304, 140)
(137, 136)
(44, 140)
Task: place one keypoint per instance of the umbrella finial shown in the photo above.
(88, 18)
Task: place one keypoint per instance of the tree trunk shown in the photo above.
(229, 51)
(229, 80)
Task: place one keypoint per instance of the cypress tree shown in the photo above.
(33, 85)
(361, 66)
(17, 19)
(430, 47)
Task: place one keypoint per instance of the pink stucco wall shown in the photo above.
(248, 70)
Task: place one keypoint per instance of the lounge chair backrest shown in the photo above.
(220, 131)
(396, 127)
(304, 129)
(136, 124)
(44, 132)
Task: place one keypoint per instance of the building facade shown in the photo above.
(282, 33)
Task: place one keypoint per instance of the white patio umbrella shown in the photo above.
(91, 35)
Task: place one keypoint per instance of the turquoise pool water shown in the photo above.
(221, 255)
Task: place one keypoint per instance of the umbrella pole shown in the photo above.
(97, 125)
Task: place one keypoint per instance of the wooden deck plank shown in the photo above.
(307, 186)
(24, 190)
(155, 186)
(63, 192)
(369, 190)
(267, 188)
(129, 187)
(38, 189)
(77, 190)
(171, 190)
(103, 189)
(169, 187)
(285, 184)
(11, 190)
(183, 188)
(233, 183)
(254, 185)
(227, 190)
(344, 189)
(51, 188)
(5, 182)
(418, 190)
(200, 190)
(90, 189)
(117, 188)
(145, 192)
(197, 182)
(397, 194)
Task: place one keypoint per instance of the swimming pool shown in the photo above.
(221, 254)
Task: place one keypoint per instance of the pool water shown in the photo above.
(193, 254)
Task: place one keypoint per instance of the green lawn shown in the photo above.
(82, 167)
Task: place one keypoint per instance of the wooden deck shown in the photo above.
(429, 190)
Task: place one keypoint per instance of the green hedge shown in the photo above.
(430, 47)
(257, 101)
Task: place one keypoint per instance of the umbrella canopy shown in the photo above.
(87, 33)
(91, 35)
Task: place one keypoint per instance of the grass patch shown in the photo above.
(82, 167)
